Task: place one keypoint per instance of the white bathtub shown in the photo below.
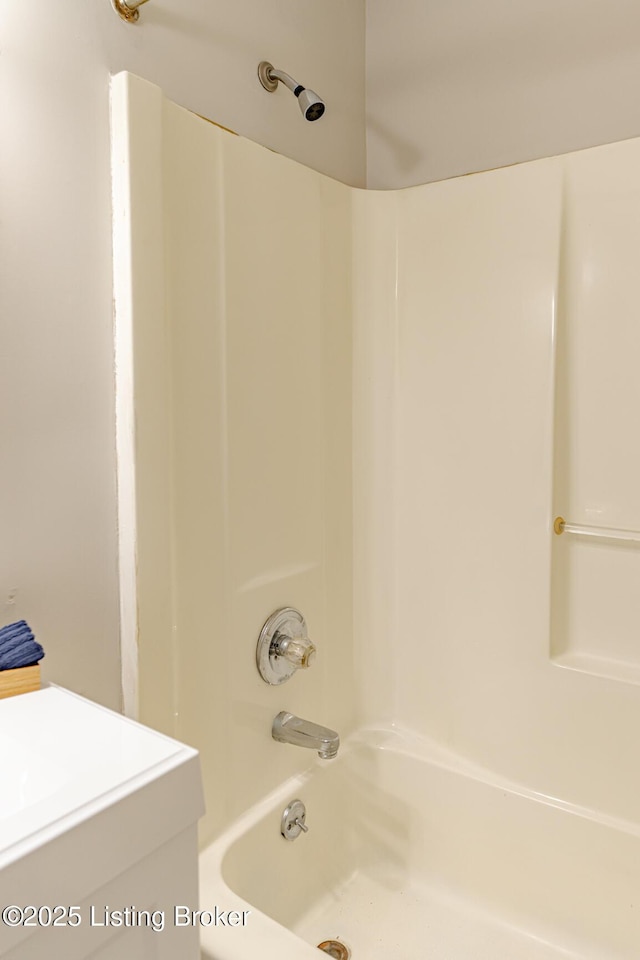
(414, 855)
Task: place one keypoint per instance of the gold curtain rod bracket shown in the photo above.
(558, 525)
(128, 10)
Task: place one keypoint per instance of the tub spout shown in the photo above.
(302, 733)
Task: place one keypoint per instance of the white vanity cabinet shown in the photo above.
(98, 833)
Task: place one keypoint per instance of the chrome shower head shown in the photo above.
(311, 105)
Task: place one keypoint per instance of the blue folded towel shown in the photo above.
(18, 629)
(18, 646)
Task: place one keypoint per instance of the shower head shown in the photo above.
(310, 103)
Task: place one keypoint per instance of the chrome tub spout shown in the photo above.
(302, 733)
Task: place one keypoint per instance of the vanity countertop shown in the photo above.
(64, 760)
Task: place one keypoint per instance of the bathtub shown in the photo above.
(413, 854)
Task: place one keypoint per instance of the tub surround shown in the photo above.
(233, 318)
(371, 406)
(514, 377)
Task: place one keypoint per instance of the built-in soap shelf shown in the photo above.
(595, 601)
(599, 666)
(595, 556)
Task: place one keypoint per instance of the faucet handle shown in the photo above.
(300, 651)
(284, 646)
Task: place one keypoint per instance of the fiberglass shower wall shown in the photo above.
(502, 384)
(239, 312)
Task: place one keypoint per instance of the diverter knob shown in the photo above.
(284, 646)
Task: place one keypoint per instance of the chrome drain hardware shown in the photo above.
(292, 823)
(335, 949)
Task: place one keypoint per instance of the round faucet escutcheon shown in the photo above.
(284, 646)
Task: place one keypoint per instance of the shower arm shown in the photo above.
(311, 105)
(286, 79)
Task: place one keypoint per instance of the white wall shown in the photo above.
(463, 86)
(58, 565)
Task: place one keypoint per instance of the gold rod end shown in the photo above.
(130, 14)
(558, 525)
